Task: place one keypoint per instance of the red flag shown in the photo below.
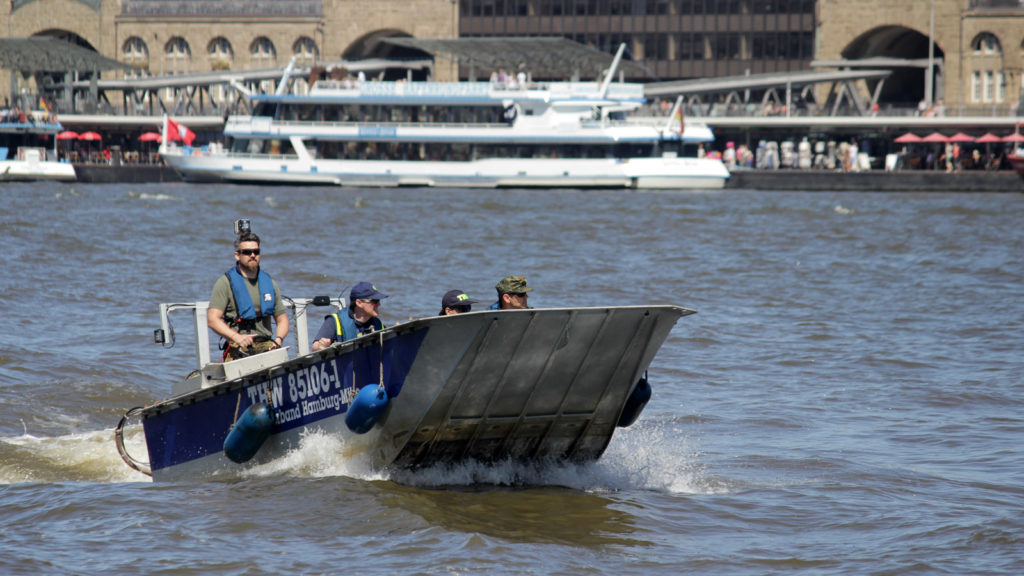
(179, 133)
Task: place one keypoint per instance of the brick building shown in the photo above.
(978, 56)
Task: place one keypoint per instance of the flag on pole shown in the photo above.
(179, 133)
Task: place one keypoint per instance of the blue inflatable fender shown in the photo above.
(635, 403)
(249, 433)
(367, 407)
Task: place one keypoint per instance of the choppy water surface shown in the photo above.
(848, 400)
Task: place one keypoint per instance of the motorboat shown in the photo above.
(485, 134)
(532, 385)
(22, 157)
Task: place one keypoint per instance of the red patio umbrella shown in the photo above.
(988, 138)
(90, 137)
(150, 137)
(960, 137)
(1015, 137)
(908, 138)
(935, 137)
(67, 135)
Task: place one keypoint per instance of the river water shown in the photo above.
(848, 399)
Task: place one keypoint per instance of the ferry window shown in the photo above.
(460, 152)
(307, 113)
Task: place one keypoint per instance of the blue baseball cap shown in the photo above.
(366, 291)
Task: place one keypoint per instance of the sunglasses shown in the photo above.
(253, 252)
(463, 309)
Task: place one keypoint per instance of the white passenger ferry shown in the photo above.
(455, 134)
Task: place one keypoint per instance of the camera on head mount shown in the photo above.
(242, 226)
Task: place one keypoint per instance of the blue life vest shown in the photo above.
(347, 329)
(240, 288)
(495, 306)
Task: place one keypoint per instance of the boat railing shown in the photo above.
(367, 128)
(296, 307)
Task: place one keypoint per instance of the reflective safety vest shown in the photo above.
(346, 328)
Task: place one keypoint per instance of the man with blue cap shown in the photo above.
(362, 317)
(455, 302)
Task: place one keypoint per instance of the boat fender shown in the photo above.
(249, 433)
(635, 403)
(367, 407)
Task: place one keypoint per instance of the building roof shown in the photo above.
(541, 57)
(206, 8)
(44, 54)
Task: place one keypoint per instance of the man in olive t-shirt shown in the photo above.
(243, 319)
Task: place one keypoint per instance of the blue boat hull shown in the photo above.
(526, 385)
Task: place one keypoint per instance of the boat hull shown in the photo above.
(525, 385)
(1017, 162)
(644, 173)
(15, 170)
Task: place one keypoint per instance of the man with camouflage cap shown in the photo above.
(512, 293)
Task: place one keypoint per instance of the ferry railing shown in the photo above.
(306, 124)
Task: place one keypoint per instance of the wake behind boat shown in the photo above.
(454, 134)
(531, 385)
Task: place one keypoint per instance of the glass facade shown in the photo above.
(671, 39)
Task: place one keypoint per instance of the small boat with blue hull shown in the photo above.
(523, 385)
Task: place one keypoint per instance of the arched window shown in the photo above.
(178, 54)
(221, 53)
(986, 43)
(263, 53)
(305, 51)
(135, 52)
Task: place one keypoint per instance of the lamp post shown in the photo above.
(929, 79)
(455, 34)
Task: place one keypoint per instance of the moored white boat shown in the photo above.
(525, 385)
(21, 155)
(459, 134)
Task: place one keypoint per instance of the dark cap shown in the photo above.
(512, 285)
(453, 298)
(366, 291)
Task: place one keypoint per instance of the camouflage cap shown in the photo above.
(512, 285)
